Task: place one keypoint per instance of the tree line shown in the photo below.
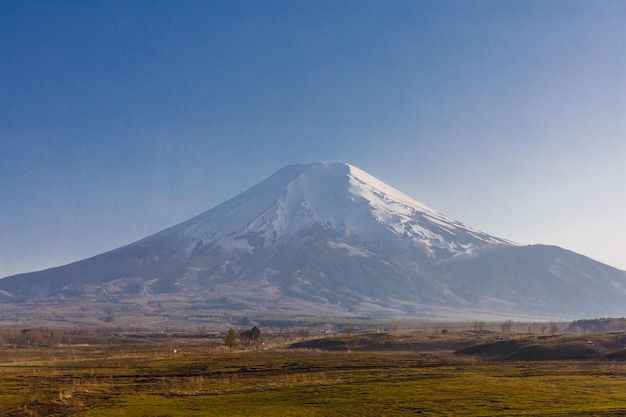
(247, 337)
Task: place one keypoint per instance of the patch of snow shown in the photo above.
(352, 251)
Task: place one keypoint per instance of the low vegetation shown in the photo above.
(90, 372)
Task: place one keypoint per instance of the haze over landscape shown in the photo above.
(322, 207)
(311, 242)
(119, 119)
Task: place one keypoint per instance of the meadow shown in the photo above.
(92, 374)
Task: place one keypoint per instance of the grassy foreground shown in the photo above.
(200, 379)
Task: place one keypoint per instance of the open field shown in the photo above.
(92, 374)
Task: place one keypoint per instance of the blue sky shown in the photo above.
(121, 118)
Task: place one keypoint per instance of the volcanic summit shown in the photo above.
(323, 240)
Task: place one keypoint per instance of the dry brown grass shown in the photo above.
(410, 373)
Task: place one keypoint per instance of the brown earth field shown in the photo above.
(99, 372)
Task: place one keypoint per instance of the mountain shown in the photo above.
(318, 240)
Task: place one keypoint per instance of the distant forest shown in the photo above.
(600, 325)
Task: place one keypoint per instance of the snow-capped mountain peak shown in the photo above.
(320, 240)
(336, 196)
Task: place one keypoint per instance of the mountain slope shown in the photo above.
(336, 196)
(327, 240)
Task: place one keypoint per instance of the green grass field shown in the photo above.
(146, 378)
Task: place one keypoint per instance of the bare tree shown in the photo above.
(553, 328)
(506, 326)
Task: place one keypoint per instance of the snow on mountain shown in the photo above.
(322, 239)
(336, 196)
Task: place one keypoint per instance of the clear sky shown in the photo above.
(121, 118)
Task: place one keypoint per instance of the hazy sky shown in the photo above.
(121, 118)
